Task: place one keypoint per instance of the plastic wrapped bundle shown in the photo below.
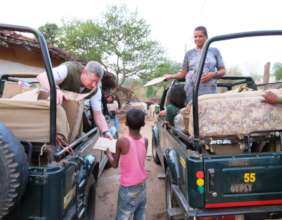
(235, 114)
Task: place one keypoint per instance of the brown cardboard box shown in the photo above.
(73, 104)
(13, 88)
(29, 120)
(27, 113)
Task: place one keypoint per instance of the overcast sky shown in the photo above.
(172, 21)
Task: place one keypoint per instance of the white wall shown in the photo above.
(8, 67)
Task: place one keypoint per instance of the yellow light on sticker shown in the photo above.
(200, 182)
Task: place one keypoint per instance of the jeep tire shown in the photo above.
(90, 201)
(13, 170)
(154, 151)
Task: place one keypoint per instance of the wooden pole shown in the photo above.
(266, 73)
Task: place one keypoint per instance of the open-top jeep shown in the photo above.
(228, 160)
(41, 178)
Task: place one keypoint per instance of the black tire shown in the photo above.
(154, 151)
(90, 198)
(170, 200)
(13, 170)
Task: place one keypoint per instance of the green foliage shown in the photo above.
(50, 32)
(120, 40)
(166, 67)
(83, 39)
(277, 71)
(151, 92)
(127, 45)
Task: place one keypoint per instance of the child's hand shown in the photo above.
(109, 154)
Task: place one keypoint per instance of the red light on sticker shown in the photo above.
(200, 174)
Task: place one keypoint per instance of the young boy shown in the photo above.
(131, 155)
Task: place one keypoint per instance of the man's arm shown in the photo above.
(101, 122)
(43, 80)
(99, 118)
(213, 75)
(59, 74)
(180, 75)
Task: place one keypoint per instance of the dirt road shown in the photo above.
(108, 183)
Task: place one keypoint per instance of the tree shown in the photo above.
(83, 39)
(120, 40)
(128, 50)
(277, 70)
(50, 32)
(161, 69)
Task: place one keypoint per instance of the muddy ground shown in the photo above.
(108, 183)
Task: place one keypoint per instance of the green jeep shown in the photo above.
(43, 180)
(228, 162)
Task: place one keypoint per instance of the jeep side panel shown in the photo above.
(243, 180)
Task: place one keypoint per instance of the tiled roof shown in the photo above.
(11, 37)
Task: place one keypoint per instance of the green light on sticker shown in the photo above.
(201, 189)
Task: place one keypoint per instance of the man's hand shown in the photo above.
(107, 134)
(60, 97)
(207, 77)
(169, 76)
(270, 98)
(162, 113)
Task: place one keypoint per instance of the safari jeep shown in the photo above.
(40, 177)
(226, 163)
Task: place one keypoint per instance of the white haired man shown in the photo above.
(73, 76)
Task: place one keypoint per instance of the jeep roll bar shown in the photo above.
(201, 67)
(48, 68)
(237, 80)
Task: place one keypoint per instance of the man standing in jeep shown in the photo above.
(73, 76)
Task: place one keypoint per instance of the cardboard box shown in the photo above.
(27, 113)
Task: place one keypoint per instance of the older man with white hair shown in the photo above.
(73, 76)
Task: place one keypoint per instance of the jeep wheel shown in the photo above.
(171, 204)
(154, 151)
(13, 169)
(90, 198)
